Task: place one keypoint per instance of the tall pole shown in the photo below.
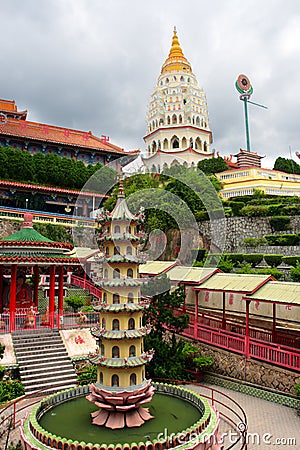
(246, 122)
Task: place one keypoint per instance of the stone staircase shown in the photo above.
(43, 361)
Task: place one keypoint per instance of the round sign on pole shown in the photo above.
(243, 85)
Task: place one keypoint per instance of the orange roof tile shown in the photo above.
(55, 134)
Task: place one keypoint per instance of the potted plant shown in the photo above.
(195, 363)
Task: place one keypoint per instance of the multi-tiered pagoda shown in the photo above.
(121, 388)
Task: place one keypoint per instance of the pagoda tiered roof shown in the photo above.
(130, 361)
(121, 307)
(121, 282)
(28, 246)
(112, 237)
(99, 332)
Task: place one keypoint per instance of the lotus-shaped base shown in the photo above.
(120, 408)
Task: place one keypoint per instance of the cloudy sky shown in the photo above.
(93, 64)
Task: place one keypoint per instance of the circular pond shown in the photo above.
(182, 418)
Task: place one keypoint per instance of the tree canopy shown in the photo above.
(286, 165)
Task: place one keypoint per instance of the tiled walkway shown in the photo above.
(271, 426)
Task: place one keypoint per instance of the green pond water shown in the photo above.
(72, 420)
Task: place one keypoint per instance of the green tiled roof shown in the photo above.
(27, 235)
(120, 334)
(278, 291)
(240, 283)
(127, 307)
(119, 362)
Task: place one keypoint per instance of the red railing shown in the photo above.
(85, 284)
(282, 338)
(272, 353)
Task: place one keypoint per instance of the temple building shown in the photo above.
(121, 388)
(16, 131)
(177, 125)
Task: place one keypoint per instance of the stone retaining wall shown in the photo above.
(238, 228)
(255, 372)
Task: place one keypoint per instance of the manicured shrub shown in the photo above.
(280, 223)
(295, 272)
(283, 239)
(253, 258)
(225, 264)
(254, 211)
(274, 272)
(273, 260)
(236, 258)
(236, 207)
(254, 242)
(274, 210)
(200, 216)
(198, 254)
(291, 260)
(291, 210)
(297, 389)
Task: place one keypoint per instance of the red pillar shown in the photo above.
(224, 312)
(36, 285)
(274, 331)
(184, 300)
(52, 296)
(84, 276)
(247, 342)
(196, 314)
(1, 289)
(12, 297)
(61, 291)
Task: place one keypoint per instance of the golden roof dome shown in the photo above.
(176, 60)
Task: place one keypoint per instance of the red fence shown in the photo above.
(272, 353)
(85, 284)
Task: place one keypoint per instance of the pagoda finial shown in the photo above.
(28, 219)
(121, 193)
(176, 60)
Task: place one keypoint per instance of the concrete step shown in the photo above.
(48, 363)
(51, 387)
(33, 352)
(42, 367)
(50, 381)
(51, 375)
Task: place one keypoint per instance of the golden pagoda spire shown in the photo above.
(176, 60)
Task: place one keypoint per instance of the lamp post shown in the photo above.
(26, 203)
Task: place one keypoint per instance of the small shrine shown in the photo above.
(24, 255)
(121, 388)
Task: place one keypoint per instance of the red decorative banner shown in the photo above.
(66, 132)
(23, 124)
(45, 129)
(256, 305)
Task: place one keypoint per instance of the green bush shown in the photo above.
(225, 264)
(213, 259)
(273, 260)
(274, 210)
(291, 210)
(295, 272)
(273, 271)
(10, 389)
(291, 260)
(74, 301)
(203, 362)
(280, 223)
(253, 258)
(254, 242)
(283, 239)
(198, 254)
(297, 389)
(87, 375)
(236, 258)
(254, 211)
(236, 207)
(200, 216)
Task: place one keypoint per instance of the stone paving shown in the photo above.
(271, 426)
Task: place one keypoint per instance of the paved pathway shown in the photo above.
(271, 426)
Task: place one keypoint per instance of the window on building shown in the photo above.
(103, 323)
(115, 352)
(132, 379)
(117, 229)
(115, 380)
(132, 350)
(116, 298)
(131, 324)
(129, 273)
(116, 325)
(116, 273)
(130, 297)
(101, 378)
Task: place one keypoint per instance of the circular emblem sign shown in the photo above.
(243, 85)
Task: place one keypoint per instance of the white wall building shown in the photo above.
(177, 124)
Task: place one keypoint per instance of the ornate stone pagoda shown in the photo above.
(121, 388)
(178, 129)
